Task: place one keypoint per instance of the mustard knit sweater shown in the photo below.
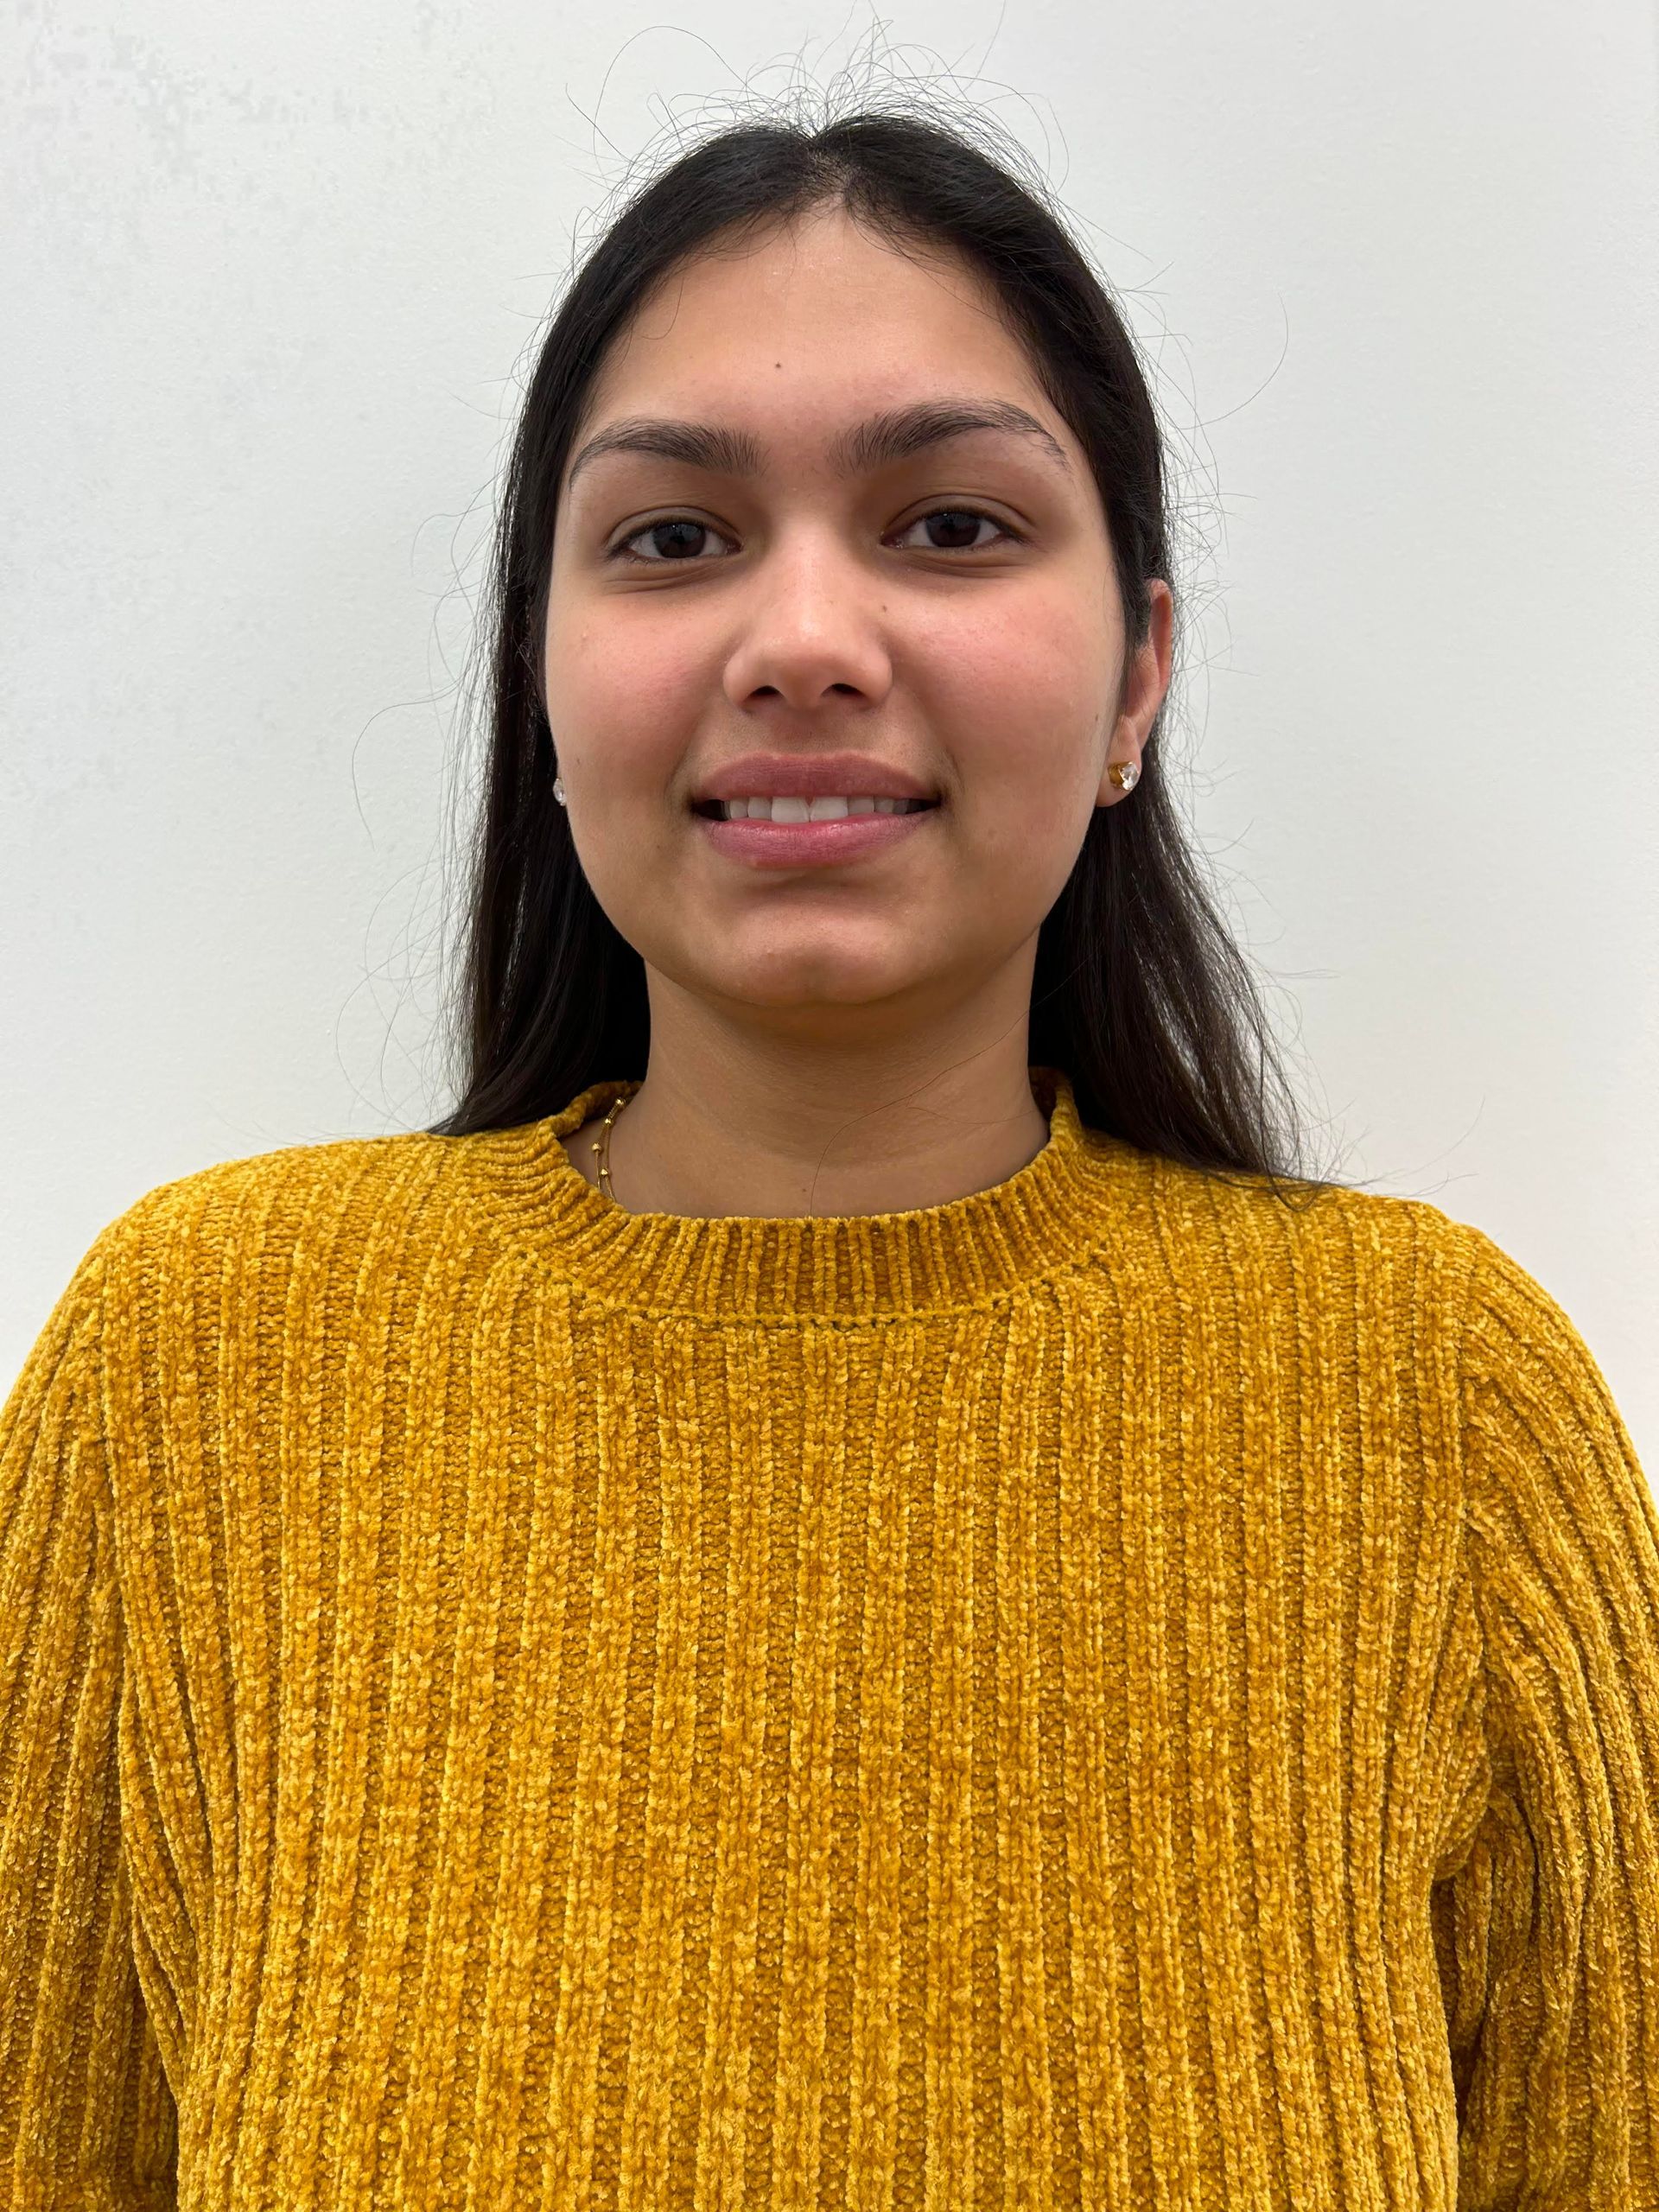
(1111, 1692)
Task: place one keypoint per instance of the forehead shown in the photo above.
(806, 327)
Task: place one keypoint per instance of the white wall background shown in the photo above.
(270, 274)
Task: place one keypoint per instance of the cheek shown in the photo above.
(630, 696)
(1020, 698)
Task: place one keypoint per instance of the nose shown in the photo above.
(810, 622)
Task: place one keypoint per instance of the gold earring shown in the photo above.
(1126, 774)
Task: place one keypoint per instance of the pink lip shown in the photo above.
(809, 844)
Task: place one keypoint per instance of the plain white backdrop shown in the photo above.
(273, 275)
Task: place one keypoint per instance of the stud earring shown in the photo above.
(558, 789)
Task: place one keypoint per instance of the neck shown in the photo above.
(718, 1131)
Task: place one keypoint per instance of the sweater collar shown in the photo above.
(1043, 1220)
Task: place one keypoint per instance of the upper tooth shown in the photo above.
(801, 810)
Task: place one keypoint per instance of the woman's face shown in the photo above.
(804, 603)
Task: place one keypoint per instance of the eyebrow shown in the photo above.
(892, 436)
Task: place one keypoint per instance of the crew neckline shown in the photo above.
(1042, 1221)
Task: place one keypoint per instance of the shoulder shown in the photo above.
(204, 1254)
(1246, 1232)
(269, 1212)
(1460, 1304)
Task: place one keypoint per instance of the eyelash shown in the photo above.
(619, 552)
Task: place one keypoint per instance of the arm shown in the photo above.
(1548, 1933)
(87, 2121)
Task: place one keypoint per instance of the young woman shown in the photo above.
(845, 1588)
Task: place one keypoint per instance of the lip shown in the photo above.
(809, 775)
(810, 844)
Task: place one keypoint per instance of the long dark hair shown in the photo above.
(1139, 993)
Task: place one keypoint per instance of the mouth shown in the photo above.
(832, 841)
(714, 810)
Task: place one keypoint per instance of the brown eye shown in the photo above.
(954, 529)
(673, 540)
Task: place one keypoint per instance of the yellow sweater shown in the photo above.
(1108, 1693)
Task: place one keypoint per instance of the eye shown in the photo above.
(957, 520)
(670, 536)
(673, 527)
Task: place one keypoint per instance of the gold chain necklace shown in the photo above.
(601, 1147)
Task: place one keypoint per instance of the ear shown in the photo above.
(1146, 681)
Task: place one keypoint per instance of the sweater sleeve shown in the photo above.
(1548, 1934)
(87, 2123)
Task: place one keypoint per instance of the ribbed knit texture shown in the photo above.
(1107, 1692)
